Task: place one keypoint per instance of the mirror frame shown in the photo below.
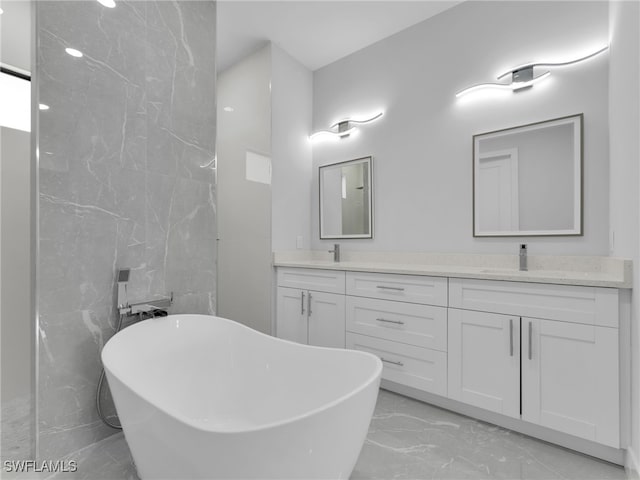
(578, 178)
(369, 160)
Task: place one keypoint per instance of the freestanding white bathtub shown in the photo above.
(205, 397)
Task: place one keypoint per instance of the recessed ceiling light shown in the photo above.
(43, 106)
(107, 3)
(73, 52)
(228, 109)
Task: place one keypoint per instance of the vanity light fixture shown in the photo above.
(1, 11)
(522, 76)
(73, 52)
(343, 128)
(107, 3)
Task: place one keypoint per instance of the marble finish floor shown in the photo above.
(15, 429)
(409, 439)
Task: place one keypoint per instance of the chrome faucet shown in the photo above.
(336, 252)
(523, 257)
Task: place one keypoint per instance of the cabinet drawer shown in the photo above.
(330, 281)
(415, 367)
(588, 305)
(405, 288)
(419, 325)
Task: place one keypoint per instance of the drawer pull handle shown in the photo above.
(400, 364)
(397, 322)
(397, 289)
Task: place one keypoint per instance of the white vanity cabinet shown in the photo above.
(310, 307)
(560, 372)
(544, 359)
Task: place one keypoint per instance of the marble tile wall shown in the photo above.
(120, 185)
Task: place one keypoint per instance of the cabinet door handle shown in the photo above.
(384, 287)
(309, 303)
(400, 364)
(530, 340)
(511, 337)
(302, 304)
(397, 322)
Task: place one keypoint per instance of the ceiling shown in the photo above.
(315, 33)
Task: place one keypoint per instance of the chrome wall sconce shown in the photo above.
(523, 76)
(344, 128)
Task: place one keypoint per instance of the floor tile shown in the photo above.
(409, 439)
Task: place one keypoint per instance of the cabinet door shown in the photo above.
(291, 314)
(484, 360)
(326, 319)
(570, 379)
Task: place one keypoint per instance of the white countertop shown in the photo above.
(565, 270)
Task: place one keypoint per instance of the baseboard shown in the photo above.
(631, 465)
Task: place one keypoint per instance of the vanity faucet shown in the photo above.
(336, 252)
(523, 257)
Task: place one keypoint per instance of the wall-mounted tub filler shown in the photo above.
(146, 307)
(143, 310)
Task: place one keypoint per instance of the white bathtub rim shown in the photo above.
(193, 424)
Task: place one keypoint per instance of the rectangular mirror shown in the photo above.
(527, 180)
(345, 199)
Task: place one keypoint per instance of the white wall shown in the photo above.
(421, 147)
(244, 207)
(624, 124)
(17, 375)
(291, 108)
(16, 326)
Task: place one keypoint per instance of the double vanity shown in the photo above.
(544, 352)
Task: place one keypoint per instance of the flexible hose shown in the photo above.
(99, 407)
(99, 389)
